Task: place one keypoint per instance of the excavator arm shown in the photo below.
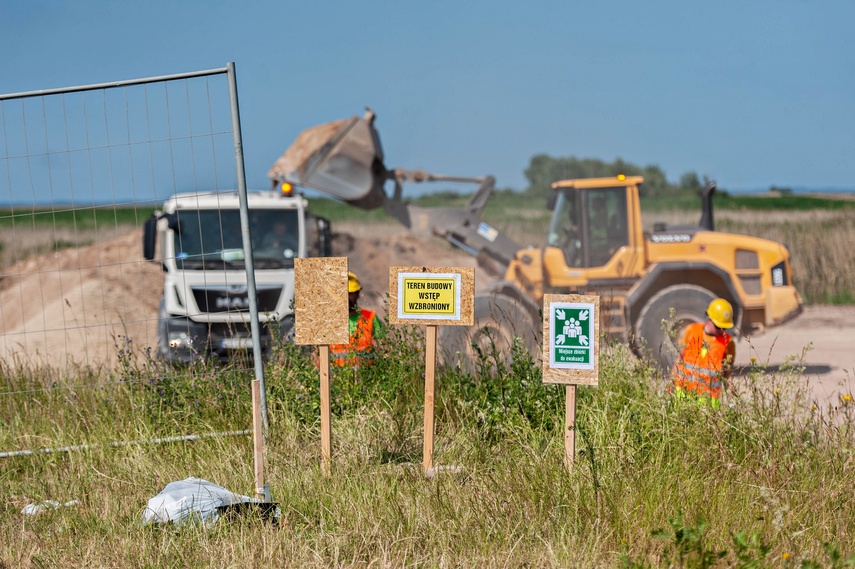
(344, 159)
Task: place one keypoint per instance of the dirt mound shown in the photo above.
(75, 305)
(83, 305)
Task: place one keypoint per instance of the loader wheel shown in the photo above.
(657, 332)
(487, 344)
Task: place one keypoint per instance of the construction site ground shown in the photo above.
(86, 305)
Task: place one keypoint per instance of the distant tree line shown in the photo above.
(543, 170)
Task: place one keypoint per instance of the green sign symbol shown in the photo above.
(572, 335)
(573, 327)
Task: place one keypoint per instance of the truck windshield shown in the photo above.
(212, 238)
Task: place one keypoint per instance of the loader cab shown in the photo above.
(594, 223)
(590, 227)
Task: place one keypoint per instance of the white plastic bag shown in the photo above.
(192, 499)
(32, 509)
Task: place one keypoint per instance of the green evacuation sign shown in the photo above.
(571, 335)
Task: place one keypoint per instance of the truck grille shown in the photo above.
(235, 299)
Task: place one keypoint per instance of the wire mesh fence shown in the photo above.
(81, 171)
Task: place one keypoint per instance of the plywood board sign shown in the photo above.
(320, 301)
(571, 333)
(442, 296)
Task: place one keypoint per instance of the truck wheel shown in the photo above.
(657, 332)
(488, 342)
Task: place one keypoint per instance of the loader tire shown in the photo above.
(486, 346)
(657, 332)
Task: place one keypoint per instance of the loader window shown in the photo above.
(589, 225)
(607, 225)
(565, 232)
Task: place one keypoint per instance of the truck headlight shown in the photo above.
(179, 340)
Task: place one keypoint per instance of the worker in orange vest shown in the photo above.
(364, 326)
(706, 356)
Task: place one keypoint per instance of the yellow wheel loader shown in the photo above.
(651, 284)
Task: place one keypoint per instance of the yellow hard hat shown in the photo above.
(720, 312)
(353, 283)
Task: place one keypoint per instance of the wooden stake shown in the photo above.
(258, 436)
(570, 426)
(430, 371)
(326, 436)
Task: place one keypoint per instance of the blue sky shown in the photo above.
(752, 94)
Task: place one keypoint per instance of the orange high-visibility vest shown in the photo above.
(361, 345)
(699, 370)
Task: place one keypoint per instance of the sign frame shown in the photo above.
(567, 373)
(464, 295)
(320, 301)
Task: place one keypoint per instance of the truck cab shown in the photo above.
(198, 240)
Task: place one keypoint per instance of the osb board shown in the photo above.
(320, 301)
(465, 303)
(576, 329)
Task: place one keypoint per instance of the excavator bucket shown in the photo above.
(342, 158)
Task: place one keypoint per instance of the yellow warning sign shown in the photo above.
(429, 296)
(435, 296)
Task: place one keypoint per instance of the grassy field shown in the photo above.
(656, 482)
(76, 218)
(764, 483)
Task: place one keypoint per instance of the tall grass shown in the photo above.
(766, 482)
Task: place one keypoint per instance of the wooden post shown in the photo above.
(571, 353)
(570, 426)
(258, 437)
(326, 437)
(451, 292)
(430, 372)
(320, 319)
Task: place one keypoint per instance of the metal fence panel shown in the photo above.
(81, 170)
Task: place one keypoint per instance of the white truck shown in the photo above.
(196, 237)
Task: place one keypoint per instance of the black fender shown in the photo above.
(662, 275)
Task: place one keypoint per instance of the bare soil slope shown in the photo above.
(79, 305)
(76, 305)
(820, 340)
